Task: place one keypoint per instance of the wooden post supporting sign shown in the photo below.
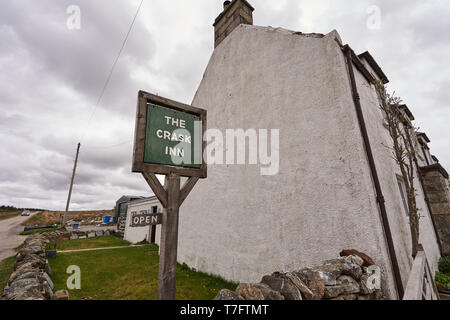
(169, 141)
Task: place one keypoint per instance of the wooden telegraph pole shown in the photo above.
(181, 155)
(71, 185)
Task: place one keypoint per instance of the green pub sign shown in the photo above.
(172, 137)
(169, 137)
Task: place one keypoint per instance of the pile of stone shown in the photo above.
(32, 277)
(345, 278)
(74, 235)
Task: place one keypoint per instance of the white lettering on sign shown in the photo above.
(175, 122)
(145, 218)
(180, 137)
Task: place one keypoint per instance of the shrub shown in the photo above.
(444, 266)
(443, 279)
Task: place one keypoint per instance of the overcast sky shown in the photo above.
(51, 78)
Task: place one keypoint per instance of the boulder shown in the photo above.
(314, 280)
(363, 283)
(281, 283)
(25, 289)
(36, 261)
(355, 259)
(30, 249)
(226, 294)
(345, 285)
(333, 269)
(307, 294)
(347, 297)
(61, 295)
(258, 291)
(367, 260)
(25, 268)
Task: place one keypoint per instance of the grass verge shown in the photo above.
(130, 273)
(6, 269)
(90, 243)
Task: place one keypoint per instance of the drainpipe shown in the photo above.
(380, 198)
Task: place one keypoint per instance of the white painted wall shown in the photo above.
(387, 171)
(242, 225)
(138, 234)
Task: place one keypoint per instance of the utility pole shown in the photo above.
(71, 185)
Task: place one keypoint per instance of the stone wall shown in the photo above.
(435, 183)
(31, 279)
(346, 278)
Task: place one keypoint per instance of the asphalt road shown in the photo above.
(9, 235)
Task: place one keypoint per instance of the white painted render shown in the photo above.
(138, 234)
(241, 225)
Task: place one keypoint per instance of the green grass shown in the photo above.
(40, 231)
(443, 279)
(98, 242)
(129, 273)
(36, 220)
(6, 269)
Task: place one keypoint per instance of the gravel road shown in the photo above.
(9, 235)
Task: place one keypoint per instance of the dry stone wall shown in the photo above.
(345, 278)
(32, 277)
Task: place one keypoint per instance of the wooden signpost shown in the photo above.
(169, 141)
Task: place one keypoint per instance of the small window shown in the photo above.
(154, 209)
(403, 193)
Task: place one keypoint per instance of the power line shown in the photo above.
(108, 79)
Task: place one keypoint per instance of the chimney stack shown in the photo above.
(234, 13)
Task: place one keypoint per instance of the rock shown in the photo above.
(333, 291)
(225, 294)
(35, 260)
(377, 295)
(248, 292)
(307, 294)
(346, 297)
(367, 260)
(74, 237)
(333, 269)
(82, 237)
(355, 259)
(30, 249)
(49, 280)
(345, 285)
(91, 235)
(363, 284)
(350, 285)
(268, 293)
(257, 291)
(281, 283)
(99, 233)
(27, 275)
(314, 280)
(25, 268)
(61, 295)
(25, 289)
(106, 233)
